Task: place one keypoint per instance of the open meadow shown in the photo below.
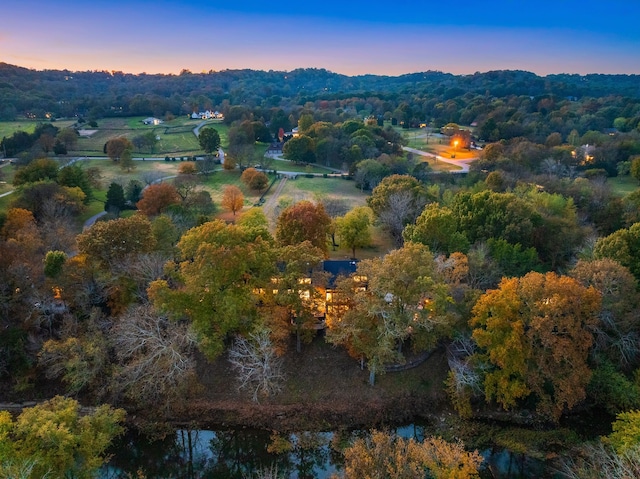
(175, 137)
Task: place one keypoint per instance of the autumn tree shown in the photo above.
(615, 333)
(304, 221)
(403, 299)
(116, 147)
(157, 198)
(384, 455)
(209, 139)
(58, 439)
(232, 199)
(214, 283)
(535, 335)
(254, 179)
(354, 229)
(76, 176)
(68, 137)
(108, 241)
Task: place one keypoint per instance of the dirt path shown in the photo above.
(270, 205)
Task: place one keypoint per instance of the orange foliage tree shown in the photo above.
(157, 198)
(304, 221)
(535, 335)
(232, 199)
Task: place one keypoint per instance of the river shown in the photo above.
(241, 453)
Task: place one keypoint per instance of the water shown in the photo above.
(241, 453)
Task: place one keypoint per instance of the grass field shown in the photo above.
(623, 185)
(176, 136)
(8, 128)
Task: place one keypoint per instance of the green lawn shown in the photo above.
(176, 137)
(216, 182)
(623, 185)
(317, 187)
(8, 128)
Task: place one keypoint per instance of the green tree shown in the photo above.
(436, 227)
(74, 175)
(354, 229)
(209, 140)
(53, 262)
(126, 160)
(300, 149)
(622, 246)
(535, 335)
(58, 439)
(116, 201)
(214, 285)
(635, 167)
(37, 170)
(404, 299)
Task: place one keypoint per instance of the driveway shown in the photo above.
(463, 164)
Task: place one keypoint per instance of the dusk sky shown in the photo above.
(349, 37)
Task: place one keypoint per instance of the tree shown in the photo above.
(385, 456)
(214, 285)
(232, 199)
(107, 241)
(209, 140)
(116, 201)
(535, 336)
(369, 173)
(154, 355)
(622, 246)
(126, 160)
(397, 201)
(53, 262)
(68, 137)
(76, 176)
(300, 149)
(635, 167)
(37, 170)
(303, 221)
(436, 227)
(157, 198)
(403, 300)
(258, 366)
(115, 147)
(58, 439)
(354, 229)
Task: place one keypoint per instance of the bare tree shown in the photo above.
(151, 177)
(155, 355)
(597, 460)
(402, 208)
(258, 366)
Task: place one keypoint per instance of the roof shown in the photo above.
(337, 268)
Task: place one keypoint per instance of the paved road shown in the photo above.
(462, 164)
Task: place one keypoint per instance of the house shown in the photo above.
(207, 115)
(152, 121)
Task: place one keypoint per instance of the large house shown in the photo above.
(152, 121)
(207, 115)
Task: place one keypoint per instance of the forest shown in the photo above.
(522, 273)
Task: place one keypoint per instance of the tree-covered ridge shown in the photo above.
(98, 93)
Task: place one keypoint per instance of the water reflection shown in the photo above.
(242, 453)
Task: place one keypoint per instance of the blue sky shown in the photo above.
(350, 37)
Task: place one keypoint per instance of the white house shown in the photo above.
(151, 121)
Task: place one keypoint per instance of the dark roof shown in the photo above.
(337, 268)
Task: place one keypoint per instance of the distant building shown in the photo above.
(151, 121)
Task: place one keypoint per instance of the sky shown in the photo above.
(389, 37)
